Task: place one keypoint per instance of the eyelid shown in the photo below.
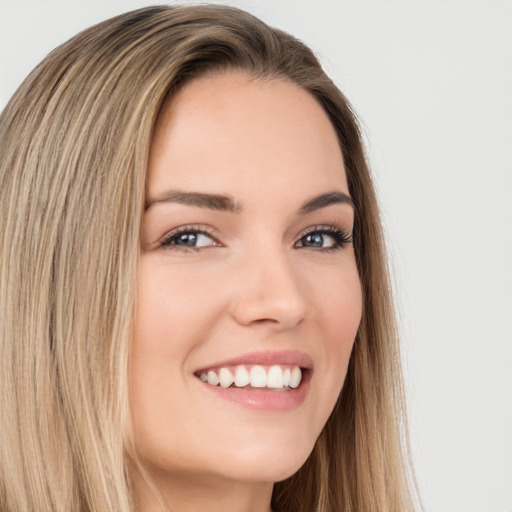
(342, 236)
(164, 241)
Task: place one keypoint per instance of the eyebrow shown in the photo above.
(202, 200)
(324, 200)
(226, 203)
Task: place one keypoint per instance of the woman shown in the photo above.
(195, 306)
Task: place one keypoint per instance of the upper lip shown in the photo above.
(267, 357)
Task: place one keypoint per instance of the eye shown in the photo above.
(325, 238)
(188, 238)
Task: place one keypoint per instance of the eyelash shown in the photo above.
(341, 238)
(168, 239)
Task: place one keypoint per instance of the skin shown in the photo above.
(254, 284)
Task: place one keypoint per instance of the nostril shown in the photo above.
(265, 321)
(271, 309)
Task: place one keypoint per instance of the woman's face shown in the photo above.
(248, 273)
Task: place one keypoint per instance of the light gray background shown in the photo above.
(432, 82)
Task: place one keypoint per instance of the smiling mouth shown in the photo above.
(275, 377)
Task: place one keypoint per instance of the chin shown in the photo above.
(269, 462)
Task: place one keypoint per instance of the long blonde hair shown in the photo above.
(74, 143)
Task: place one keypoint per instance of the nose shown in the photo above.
(269, 291)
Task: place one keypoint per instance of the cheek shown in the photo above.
(174, 314)
(337, 303)
(169, 307)
(336, 299)
(341, 316)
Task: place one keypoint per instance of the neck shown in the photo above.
(183, 493)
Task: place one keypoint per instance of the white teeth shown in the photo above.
(258, 377)
(241, 377)
(286, 377)
(212, 378)
(275, 377)
(295, 377)
(225, 378)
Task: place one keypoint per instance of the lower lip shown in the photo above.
(264, 399)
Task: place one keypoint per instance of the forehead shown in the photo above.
(231, 130)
